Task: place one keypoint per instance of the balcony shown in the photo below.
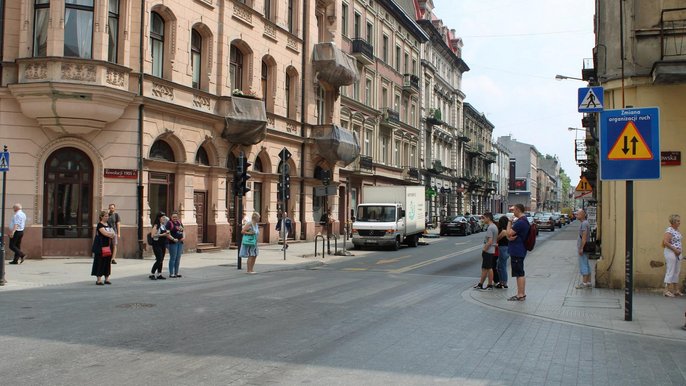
(411, 174)
(434, 117)
(471, 149)
(411, 84)
(671, 68)
(333, 65)
(336, 144)
(246, 120)
(71, 95)
(463, 138)
(437, 167)
(363, 51)
(490, 157)
(390, 117)
(365, 164)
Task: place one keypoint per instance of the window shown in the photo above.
(384, 149)
(41, 14)
(236, 68)
(288, 95)
(68, 192)
(201, 157)
(414, 66)
(368, 142)
(356, 90)
(384, 97)
(291, 16)
(264, 81)
(161, 150)
(113, 31)
(407, 63)
(344, 19)
(257, 197)
(320, 106)
(196, 54)
(268, 9)
(78, 28)
(385, 49)
(160, 193)
(413, 115)
(397, 153)
(157, 44)
(397, 58)
(368, 92)
(370, 33)
(357, 25)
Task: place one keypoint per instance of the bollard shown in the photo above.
(323, 245)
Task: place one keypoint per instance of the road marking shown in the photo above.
(354, 269)
(393, 260)
(435, 260)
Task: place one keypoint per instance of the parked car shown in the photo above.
(476, 223)
(482, 223)
(545, 221)
(457, 225)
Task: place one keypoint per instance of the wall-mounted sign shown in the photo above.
(121, 173)
(520, 184)
(670, 158)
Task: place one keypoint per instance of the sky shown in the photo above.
(514, 49)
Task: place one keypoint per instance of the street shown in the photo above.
(382, 318)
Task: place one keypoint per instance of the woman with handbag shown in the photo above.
(671, 241)
(175, 240)
(102, 252)
(158, 240)
(581, 243)
(249, 248)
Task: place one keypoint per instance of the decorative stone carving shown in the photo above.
(292, 44)
(242, 13)
(35, 71)
(269, 30)
(115, 78)
(290, 127)
(270, 121)
(78, 71)
(162, 91)
(200, 101)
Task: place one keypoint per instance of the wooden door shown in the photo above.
(200, 204)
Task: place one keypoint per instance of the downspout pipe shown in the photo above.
(2, 39)
(141, 110)
(303, 115)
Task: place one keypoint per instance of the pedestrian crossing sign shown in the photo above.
(4, 161)
(590, 99)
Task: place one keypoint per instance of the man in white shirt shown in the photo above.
(16, 228)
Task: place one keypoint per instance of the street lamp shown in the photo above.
(575, 129)
(563, 77)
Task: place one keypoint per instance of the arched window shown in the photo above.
(41, 14)
(157, 43)
(258, 165)
(78, 28)
(196, 55)
(236, 68)
(201, 157)
(265, 81)
(113, 31)
(68, 192)
(161, 150)
(291, 95)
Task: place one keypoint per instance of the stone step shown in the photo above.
(207, 247)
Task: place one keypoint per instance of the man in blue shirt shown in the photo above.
(17, 225)
(517, 231)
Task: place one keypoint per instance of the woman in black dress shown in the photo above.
(102, 266)
(159, 235)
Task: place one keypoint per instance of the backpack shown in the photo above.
(530, 241)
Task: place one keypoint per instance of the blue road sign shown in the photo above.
(630, 144)
(591, 99)
(4, 161)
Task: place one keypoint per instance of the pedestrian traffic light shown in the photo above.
(284, 187)
(240, 181)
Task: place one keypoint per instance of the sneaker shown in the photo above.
(580, 286)
(160, 277)
(489, 288)
(479, 286)
(178, 276)
(13, 262)
(498, 286)
(152, 277)
(588, 285)
(172, 276)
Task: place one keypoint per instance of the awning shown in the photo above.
(333, 65)
(336, 144)
(246, 121)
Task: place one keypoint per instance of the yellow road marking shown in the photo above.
(393, 260)
(434, 260)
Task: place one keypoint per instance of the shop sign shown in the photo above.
(121, 173)
(670, 158)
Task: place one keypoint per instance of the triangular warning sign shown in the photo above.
(630, 145)
(584, 185)
(590, 101)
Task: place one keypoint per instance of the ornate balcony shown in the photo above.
(490, 157)
(434, 117)
(411, 173)
(246, 120)
(70, 95)
(364, 164)
(471, 149)
(390, 117)
(411, 84)
(336, 144)
(363, 51)
(333, 65)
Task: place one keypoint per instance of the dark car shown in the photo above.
(475, 222)
(545, 221)
(457, 225)
(557, 218)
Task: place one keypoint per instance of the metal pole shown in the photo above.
(284, 209)
(239, 226)
(629, 282)
(2, 230)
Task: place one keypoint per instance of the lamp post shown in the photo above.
(563, 77)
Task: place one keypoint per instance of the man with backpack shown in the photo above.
(518, 234)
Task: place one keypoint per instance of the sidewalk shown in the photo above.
(551, 276)
(68, 270)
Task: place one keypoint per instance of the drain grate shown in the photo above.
(135, 305)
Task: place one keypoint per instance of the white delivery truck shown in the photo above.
(388, 216)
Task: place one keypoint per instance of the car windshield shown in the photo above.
(376, 213)
(458, 219)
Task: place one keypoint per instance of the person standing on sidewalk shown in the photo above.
(672, 252)
(175, 228)
(160, 235)
(584, 266)
(102, 264)
(488, 253)
(503, 252)
(17, 224)
(249, 247)
(113, 222)
(517, 232)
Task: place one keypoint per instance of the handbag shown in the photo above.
(497, 251)
(106, 252)
(249, 240)
(149, 239)
(589, 247)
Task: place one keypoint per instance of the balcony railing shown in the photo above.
(366, 163)
(671, 68)
(363, 51)
(411, 83)
(390, 116)
(434, 117)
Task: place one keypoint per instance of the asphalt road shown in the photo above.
(385, 318)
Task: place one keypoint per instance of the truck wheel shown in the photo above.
(412, 241)
(396, 245)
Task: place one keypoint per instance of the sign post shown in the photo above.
(285, 193)
(4, 168)
(630, 150)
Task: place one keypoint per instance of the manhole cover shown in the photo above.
(135, 305)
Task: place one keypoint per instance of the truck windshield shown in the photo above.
(376, 213)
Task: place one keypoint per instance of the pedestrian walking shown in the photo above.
(102, 252)
(517, 231)
(16, 227)
(285, 222)
(671, 241)
(176, 237)
(249, 248)
(488, 253)
(503, 253)
(113, 222)
(584, 265)
(160, 236)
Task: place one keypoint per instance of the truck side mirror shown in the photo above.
(401, 214)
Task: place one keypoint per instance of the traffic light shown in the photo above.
(284, 187)
(240, 181)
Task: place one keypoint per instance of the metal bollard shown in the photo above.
(323, 245)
